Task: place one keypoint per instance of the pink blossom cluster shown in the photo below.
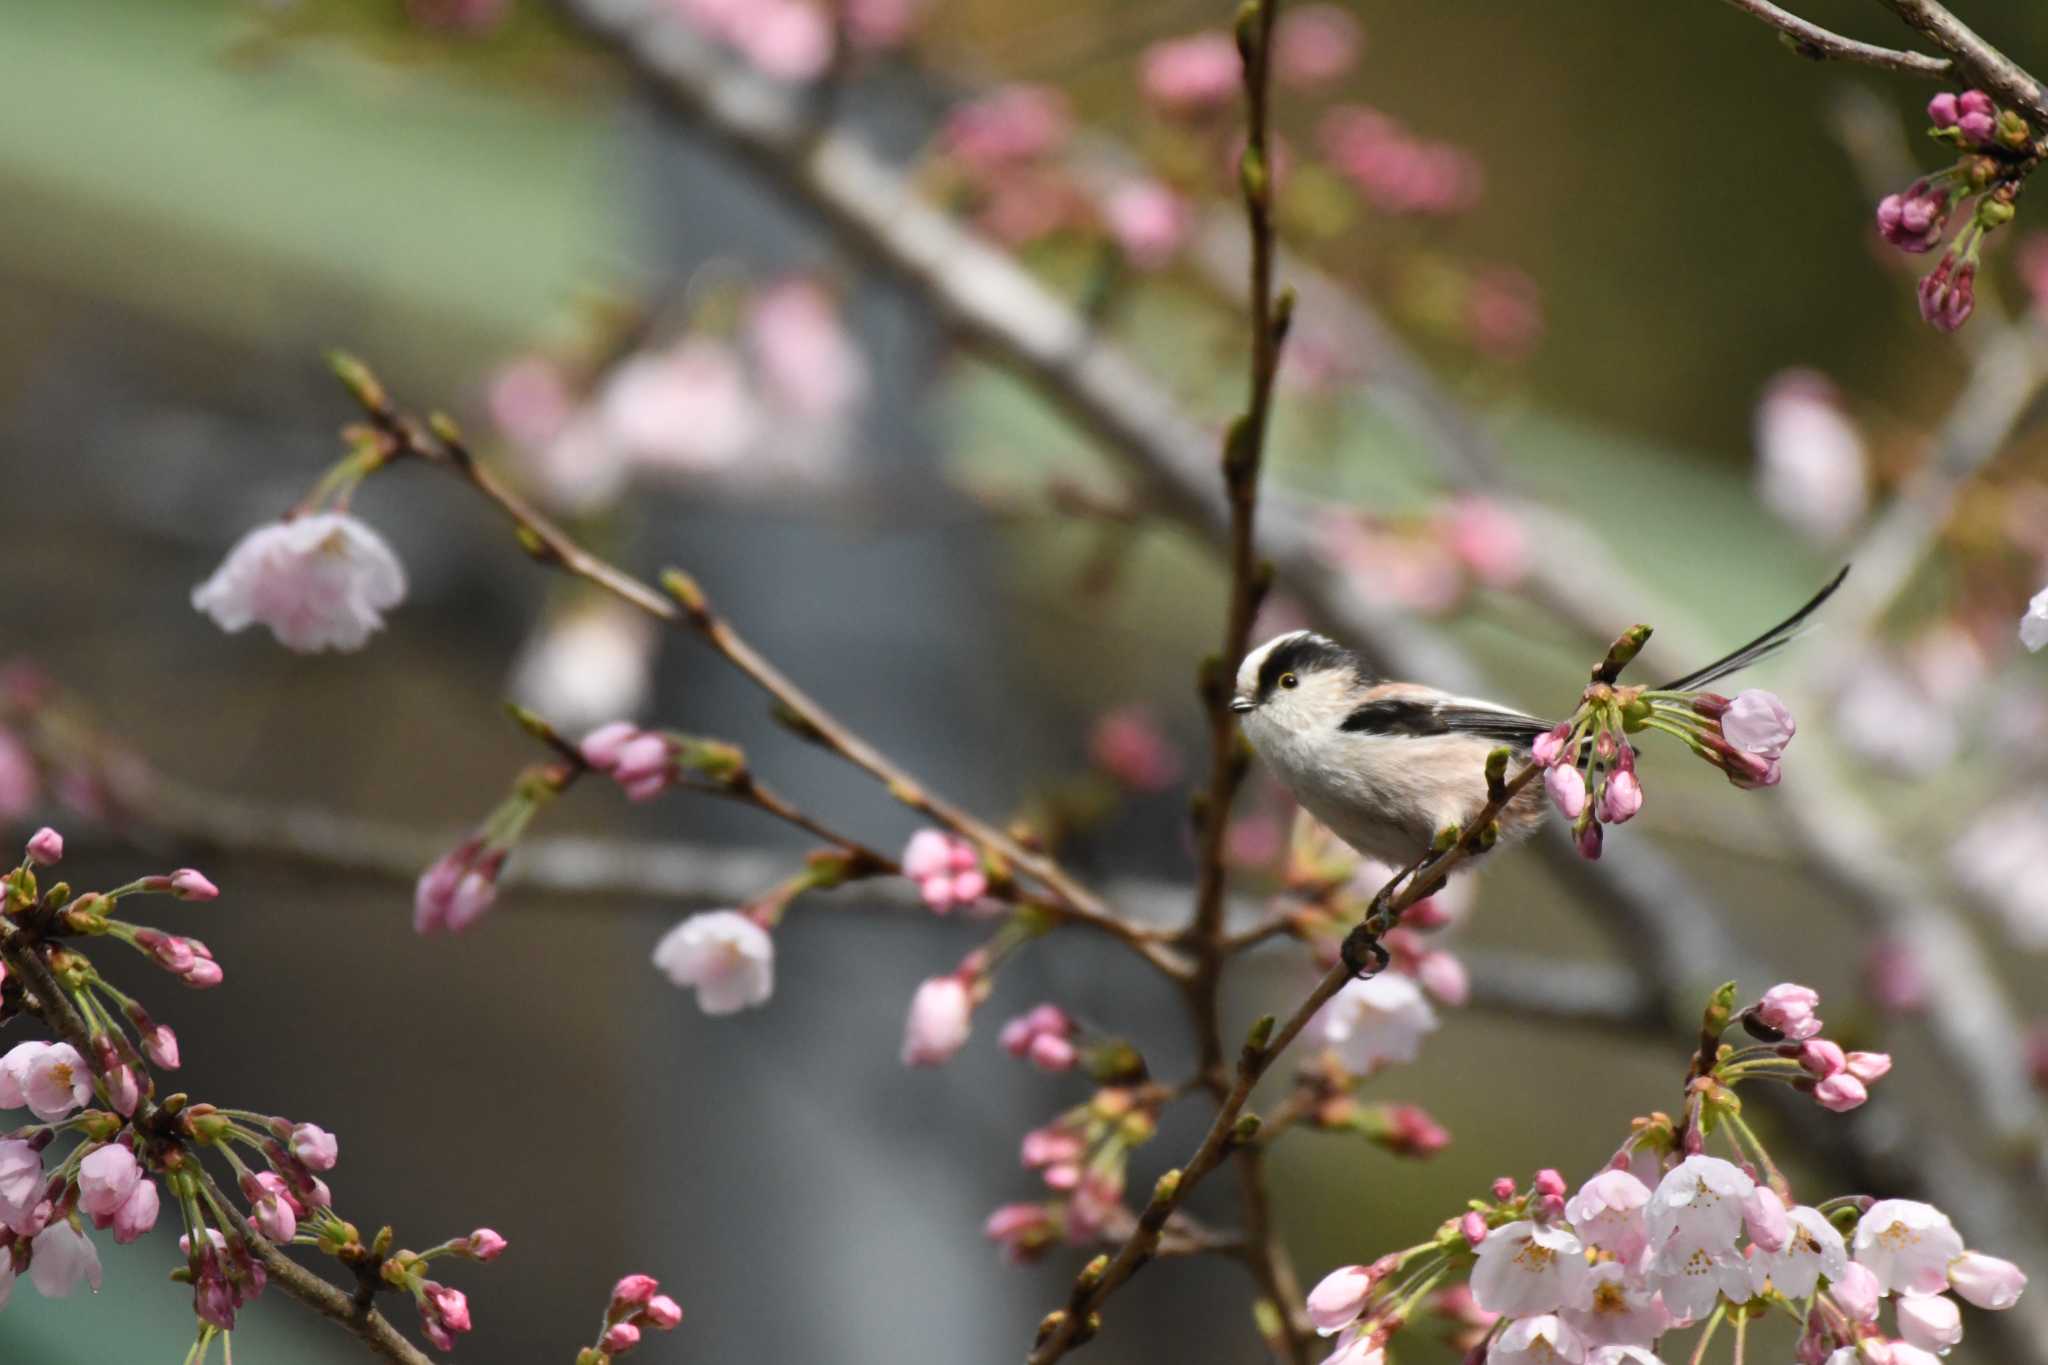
(1398, 172)
(1046, 1035)
(1996, 146)
(1082, 1156)
(1191, 76)
(1795, 1052)
(637, 1305)
(946, 870)
(1129, 746)
(756, 409)
(1430, 563)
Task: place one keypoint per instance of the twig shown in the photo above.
(1066, 1328)
(1812, 41)
(367, 1324)
(1985, 65)
(684, 605)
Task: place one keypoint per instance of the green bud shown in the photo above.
(443, 426)
(1167, 1188)
(1266, 1317)
(1994, 212)
(362, 385)
(1246, 1128)
(1621, 653)
(531, 542)
(1720, 1011)
(684, 589)
(1446, 839)
(1261, 1034)
(1091, 1275)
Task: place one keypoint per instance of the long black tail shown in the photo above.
(1762, 647)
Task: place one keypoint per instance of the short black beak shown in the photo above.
(1243, 704)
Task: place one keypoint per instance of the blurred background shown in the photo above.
(1603, 234)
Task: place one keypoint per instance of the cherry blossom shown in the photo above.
(315, 1147)
(61, 1258)
(1607, 1212)
(1543, 1340)
(1788, 1008)
(1812, 468)
(1986, 1281)
(1908, 1245)
(1701, 1199)
(1377, 1020)
(1191, 74)
(1619, 1309)
(321, 581)
(1758, 722)
(946, 869)
(1931, 1322)
(1812, 1249)
(21, 1183)
(50, 1078)
(1339, 1297)
(1528, 1267)
(106, 1177)
(725, 956)
(1315, 44)
(45, 847)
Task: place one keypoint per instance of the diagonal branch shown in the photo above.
(1984, 65)
(1811, 40)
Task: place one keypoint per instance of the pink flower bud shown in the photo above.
(941, 1015)
(1549, 746)
(1975, 102)
(1757, 722)
(644, 756)
(1191, 74)
(1567, 788)
(1548, 1181)
(1411, 1131)
(1022, 1230)
(1503, 1189)
(1821, 1058)
(106, 1177)
(661, 1313)
(600, 748)
(1050, 1052)
(1621, 796)
(1472, 1227)
(1868, 1067)
(1930, 1321)
(1981, 129)
(1339, 1297)
(137, 1213)
(621, 1337)
(315, 1147)
(1948, 295)
(160, 1045)
(1789, 1008)
(1841, 1093)
(484, 1245)
(633, 1291)
(1763, 1215)
(203, 974)
(1591, 836)
(1128, 744)
(124, 1089)
(1442, 973)
(273, 1216)
(474, 895)
(1986, 1281)
(1942, 110)
(190, 884)
(1858, 1292)
(449, 1306)
(45, 847)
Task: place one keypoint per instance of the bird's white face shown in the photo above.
(1294, 684)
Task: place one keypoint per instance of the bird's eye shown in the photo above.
(1289, 680)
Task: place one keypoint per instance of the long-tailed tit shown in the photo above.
(1386, 765)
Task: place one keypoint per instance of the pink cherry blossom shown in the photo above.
(1812, 468)
(1930, 1321)
(1789, 1008)
(45, 847)
(946, 869)
(1315, 44)
(1607, 1212)
(318, 582)
(62, 1257)
(529, 400)
(271, 1210)
(1841, 1093)
(1339, 1297)
(581, 664)
(809, 363)
(686, 410)
(1541, 1340)
(1868, 1067)
(1488, 540)
(661, 1312)
(485, 1244)
(50, 1078)
(1757, 722)
(106, 1177)
(315, 1147)
(1010, 125)
(1526, 1267)
(1377, 1020)
(1192, 74)
(1022, 1230)
(1986, 1281)
(1149, 222)
(941, 1015)
(1128, 745)
(1396, 171)
(21, 1183)
(632, 1291)
(1813, 1249)
(1472, 1227)
(1908, 1245)
(1701, 1199)
(1619, 1309)
(1763, 1217)
(1856, 1291)
(1695, 1269)
(1567, 788)
(1822, 1058)
(1621, 796)
(727, 958)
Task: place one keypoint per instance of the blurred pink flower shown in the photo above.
(1011, 124)
(318, 582)
(529, 401)
(880, 25)
(1789, 1008)
(941, 1016)
(1503, 313)
(1812, 469)
(45, 847)
(1315, 44)
(584, 664)
(1128, 745)
(809, 362)
(18, 783)
(1398, 172)
(1188, 75)
(686, 409)
(1488, 540)
(946, 869)
(726, 957)
(789, 40)
(1149, 221)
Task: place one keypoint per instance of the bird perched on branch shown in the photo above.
(1387, 765)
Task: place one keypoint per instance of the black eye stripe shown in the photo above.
(1300, 654)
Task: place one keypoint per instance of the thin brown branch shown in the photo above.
(1812, 41)
(1067, 1328)
(1982, 64)
(684, 606)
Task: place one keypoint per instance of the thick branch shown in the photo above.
(1984, 65)
(1811, 40)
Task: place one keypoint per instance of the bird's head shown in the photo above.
(1296, 682)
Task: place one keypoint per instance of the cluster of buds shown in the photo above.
(462, 884)
(1666, 1238)
(1997, 153)
(637, 1304)
(1053, 1040)
(646, 763)
(1590, 766)
(1325, 1095)
(1793, 1051)
(1083, 1156)
(444, 1312)
(947, 870)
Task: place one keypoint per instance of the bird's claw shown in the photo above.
(1363, 953)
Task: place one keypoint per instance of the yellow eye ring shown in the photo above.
(1289, 680)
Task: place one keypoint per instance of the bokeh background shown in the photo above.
(201, 198)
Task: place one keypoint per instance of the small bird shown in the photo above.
(1385, 765)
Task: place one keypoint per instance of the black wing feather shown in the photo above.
(1416, 718)
(1762, 647)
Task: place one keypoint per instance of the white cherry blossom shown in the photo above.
(1812, 1249)
(1617, 1309)
(1699, 1199)
(1908, 1245)
(727, 958)
(1543, 1340)
(1526, 1267)
(319, 582)
(1607, 1212)
(1378, 1020)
